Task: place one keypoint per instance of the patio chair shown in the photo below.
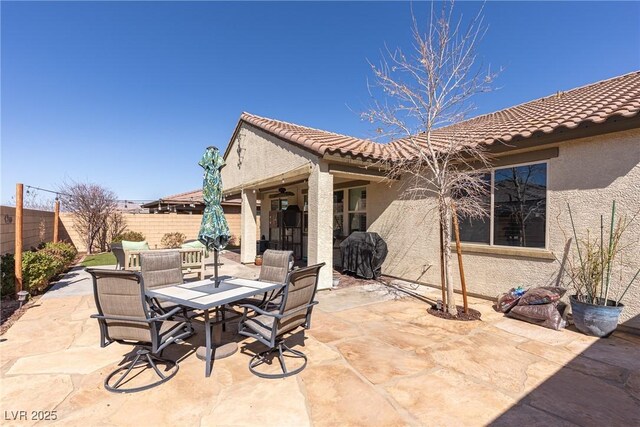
(117, 250)
(269, 327)
(125, 317)
(276, 265)
(161, 269)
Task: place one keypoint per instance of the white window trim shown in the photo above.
(345, 207)
(344, 198)
(491, 243)
(347, 211)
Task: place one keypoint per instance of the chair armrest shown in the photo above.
(304, 307)
(123, 318)
(259, 310)
(163, 317)
(167, 314)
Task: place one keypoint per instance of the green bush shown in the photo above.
(64, 251)
(131, 236)
(7, 271)
(173, 240)
(40, 267)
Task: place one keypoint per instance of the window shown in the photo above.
(477, 230)
(518, 209)
(305, 214)
(338, 214)
(357, 209)
(279, 204)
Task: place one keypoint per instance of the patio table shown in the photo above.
(205, 295)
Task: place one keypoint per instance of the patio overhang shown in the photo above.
(369, 173)
(296, 174)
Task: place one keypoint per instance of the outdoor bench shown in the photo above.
(192, 260)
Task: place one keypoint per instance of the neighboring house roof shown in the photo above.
(618, 97)
(188, 196)
(194, 196)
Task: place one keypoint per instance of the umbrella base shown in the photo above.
(218, 351)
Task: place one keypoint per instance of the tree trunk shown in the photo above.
(89, 240)
(446, 217)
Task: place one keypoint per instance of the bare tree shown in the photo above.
(115, 225)
(34, 200)
(92, 206)
(426, 89)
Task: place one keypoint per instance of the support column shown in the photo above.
(320, 237)
(248, 227)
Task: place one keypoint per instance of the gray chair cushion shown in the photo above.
(262, 325)
(161, 268)
(275, 266)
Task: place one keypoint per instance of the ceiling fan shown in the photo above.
(282, 192)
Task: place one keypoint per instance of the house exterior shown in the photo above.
(580, 147)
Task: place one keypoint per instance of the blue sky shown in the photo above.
(128, 95)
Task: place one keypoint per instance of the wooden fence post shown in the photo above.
(18, 238)
(463, 283)
(56, 221)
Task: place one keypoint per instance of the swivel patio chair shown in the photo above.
(125, 317)
(276, 265)
(161, 269)
(269, 327)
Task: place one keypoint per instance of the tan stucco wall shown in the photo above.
(588, 173)
(263, 156)
(37, 227)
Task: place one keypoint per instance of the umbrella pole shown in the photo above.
(215, 267)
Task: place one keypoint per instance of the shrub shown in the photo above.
(131, 236)
(64, 251)
(7, 271)
(39, 267)
(173, 240)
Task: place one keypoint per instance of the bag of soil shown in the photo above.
(547, 315)
(542, 295)
(507, 301)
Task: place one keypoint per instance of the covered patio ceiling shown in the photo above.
(342, 174)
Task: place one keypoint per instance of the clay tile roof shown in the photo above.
(591, 104)
(594, 103)
(316, 140)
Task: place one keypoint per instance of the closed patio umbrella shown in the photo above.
(214, 230)
(214, 234)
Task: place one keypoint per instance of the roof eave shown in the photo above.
(562, 133)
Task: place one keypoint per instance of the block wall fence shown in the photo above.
(153, 227)
(37, 227)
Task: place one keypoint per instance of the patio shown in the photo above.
(375, 358)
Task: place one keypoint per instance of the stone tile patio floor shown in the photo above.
(375, 358)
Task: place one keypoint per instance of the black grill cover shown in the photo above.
(363, 254)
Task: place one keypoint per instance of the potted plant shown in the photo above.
(336, 281)
(258, 260)
(597, 302)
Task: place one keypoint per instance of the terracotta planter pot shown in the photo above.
(258, 260)
(595, 320)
